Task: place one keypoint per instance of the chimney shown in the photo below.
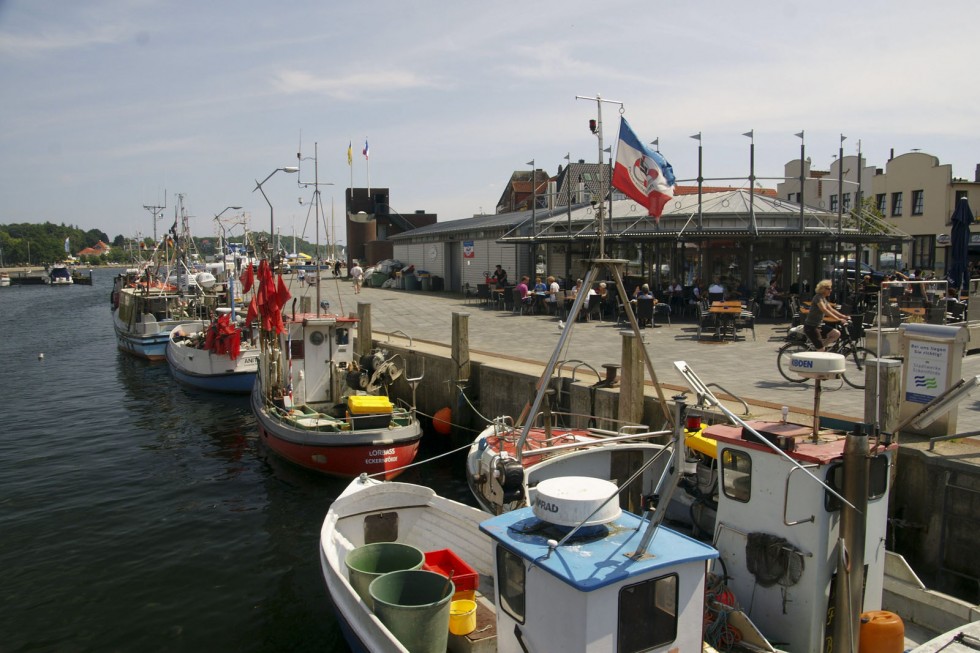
(976, 175)
(892, 154)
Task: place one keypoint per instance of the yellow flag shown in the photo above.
(350, 154)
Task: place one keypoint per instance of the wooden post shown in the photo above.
(631, 386)
(364, 333)
(461, 412)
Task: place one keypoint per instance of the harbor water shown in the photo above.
(138, 515)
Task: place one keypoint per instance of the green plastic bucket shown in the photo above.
(414, 606)
(365, 563)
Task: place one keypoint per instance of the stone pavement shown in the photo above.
(746, 368)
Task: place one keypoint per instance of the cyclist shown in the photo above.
(821, 308)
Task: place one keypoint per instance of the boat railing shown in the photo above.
(401, 333)
(585, 444)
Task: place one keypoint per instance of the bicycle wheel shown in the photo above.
(854, 366)
(784, 361)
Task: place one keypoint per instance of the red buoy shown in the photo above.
(442, 421)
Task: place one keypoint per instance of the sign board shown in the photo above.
(468, 250)
(943, 239)
(926, 378)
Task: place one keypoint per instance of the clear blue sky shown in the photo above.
(108, 103)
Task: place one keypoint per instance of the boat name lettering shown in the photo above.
(381, 452)
(378, 461)
(545, 505)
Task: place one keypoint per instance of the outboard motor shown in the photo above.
(507, 479)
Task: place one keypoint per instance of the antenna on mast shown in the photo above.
(595, 126)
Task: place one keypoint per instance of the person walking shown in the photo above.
(357, 275)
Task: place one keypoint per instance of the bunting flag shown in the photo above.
(248, 278)
(641, 173)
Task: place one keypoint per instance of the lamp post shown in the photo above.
(231, 281)
(272, 215)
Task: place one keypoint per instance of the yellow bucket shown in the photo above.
(462, 617)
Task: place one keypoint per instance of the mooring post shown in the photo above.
(631, 385)
(364, 332)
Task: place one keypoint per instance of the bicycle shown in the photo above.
(847, 345)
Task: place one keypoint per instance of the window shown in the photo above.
(877, 482)
(960, 194)
(647, 615)
(923, 252)
(918, 202)
(736, 475)
(897, 204)
(880, 202)
(510, 575)
(847, 202)
(833, 202)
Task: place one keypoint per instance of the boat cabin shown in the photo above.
(322, 352)
(777, 530)
(593, 592)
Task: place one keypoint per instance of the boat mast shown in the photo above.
(614, 267)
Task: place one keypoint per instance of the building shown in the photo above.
(98, 249)
(914, 194)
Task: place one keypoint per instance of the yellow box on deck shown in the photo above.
(368, 405)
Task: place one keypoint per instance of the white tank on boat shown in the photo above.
(571, 500)
(817, 364)
(205, 280)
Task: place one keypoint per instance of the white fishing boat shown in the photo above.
(4, 279)
(213, 356)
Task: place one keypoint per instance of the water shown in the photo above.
(137, 515)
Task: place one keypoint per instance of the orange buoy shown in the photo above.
(881, 632)
(442, 421)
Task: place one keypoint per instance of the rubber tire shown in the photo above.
(783, 359)
(853, 372)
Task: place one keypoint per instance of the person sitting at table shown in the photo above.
(822, 335)
(605, 298)
(539, 286)
(675, 293)
(500, 277)
(774, 298)
(716, 291)
(526, 297)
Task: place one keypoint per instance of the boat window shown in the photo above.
(647, 615)
(342, 336)
(296, 349)
(877, 481)
(736, 474)
(510, 575)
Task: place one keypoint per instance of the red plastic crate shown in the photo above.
(444, 562)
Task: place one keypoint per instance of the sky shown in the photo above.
(112, 105)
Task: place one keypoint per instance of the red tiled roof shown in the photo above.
(693, 190)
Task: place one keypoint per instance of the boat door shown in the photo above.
(319, 344)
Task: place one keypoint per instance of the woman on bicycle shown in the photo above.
(820, 309)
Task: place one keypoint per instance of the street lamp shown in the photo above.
(272, 215)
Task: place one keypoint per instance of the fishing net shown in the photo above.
(772, 559)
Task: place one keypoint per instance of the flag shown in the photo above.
(641, 173)
(66, 245)
(350, 153)
(365, 152)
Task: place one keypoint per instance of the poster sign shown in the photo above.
(468, 250)
(926, 378)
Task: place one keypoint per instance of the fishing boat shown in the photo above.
(60, 275)
(148, 301)
(795, 557)
(213, 356)
(317, 402)
(4, 279)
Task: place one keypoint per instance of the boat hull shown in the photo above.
(151, 347)
(382, 451)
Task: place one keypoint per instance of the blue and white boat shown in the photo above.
(60, 275)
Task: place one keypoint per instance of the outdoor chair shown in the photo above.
(519, 305)
(746, 319)
(483, 293)
(664, 309)
(705, 318)
(644, 311)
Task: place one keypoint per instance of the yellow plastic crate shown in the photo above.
(368, 405)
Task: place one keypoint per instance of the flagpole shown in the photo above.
(802, 175)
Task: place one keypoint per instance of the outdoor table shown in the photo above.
(725, 314)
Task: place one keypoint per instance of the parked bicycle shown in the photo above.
(848, 345)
